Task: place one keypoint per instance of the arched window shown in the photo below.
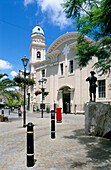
(38, 54)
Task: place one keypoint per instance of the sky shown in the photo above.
(17, 19)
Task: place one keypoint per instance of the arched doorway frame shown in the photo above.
(66, 98)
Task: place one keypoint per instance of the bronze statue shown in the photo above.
(92, 89)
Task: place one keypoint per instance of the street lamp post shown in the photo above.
(25, 61)
(42, 89)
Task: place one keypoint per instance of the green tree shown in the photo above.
(13, 103)
(21, 81)
(7, 89)
(22, 102)
(92, 18)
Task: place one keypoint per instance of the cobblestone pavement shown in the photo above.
(71, 149)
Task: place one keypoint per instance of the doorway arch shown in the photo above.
(66, 99)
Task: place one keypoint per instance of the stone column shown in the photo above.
(71, 101)
(34, 98)
(60, 100)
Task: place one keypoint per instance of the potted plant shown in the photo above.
(48, 109)
(37, 92)
(46, 93)
(18, 79)
(38, 110)
(23, 80)
(29, 81)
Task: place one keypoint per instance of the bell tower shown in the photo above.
(37, 47)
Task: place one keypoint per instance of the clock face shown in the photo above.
(39, 40)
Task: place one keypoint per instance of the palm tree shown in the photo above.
(8, 90)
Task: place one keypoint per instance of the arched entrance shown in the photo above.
(66, 98)
(66, 102)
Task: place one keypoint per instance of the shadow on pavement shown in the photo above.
(98, 149)
(13, 119)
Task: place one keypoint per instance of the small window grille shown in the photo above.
(102, 88)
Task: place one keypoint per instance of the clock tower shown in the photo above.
(37, 48)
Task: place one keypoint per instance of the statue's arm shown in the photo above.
(95, 79)
(87, 79)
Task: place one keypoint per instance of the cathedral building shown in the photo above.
(66, 83)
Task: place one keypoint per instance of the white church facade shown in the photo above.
(66, 83)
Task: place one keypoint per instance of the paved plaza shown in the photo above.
(71, 149)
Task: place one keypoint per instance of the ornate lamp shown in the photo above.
(25, 61)
(43, 80)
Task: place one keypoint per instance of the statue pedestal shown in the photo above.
(98, 119)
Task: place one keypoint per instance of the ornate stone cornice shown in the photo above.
(31, 63)
(37, 35)
(41, 63)
(73, 45)
(53, 54)
(61, 39)
(37, 44)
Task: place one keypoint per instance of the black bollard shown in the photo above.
(52, 124)
(30, 145)
(54, 107)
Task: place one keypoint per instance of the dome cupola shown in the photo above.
(38, 30)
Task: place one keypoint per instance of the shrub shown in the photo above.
(48, 109)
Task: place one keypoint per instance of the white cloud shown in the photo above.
(13, 73)
(4, 77)
(5, 65)
(54, 11)
(26, 2)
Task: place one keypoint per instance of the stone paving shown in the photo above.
(71, 149)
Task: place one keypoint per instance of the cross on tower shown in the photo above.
(66, 51)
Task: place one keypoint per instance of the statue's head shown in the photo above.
(92, 73)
